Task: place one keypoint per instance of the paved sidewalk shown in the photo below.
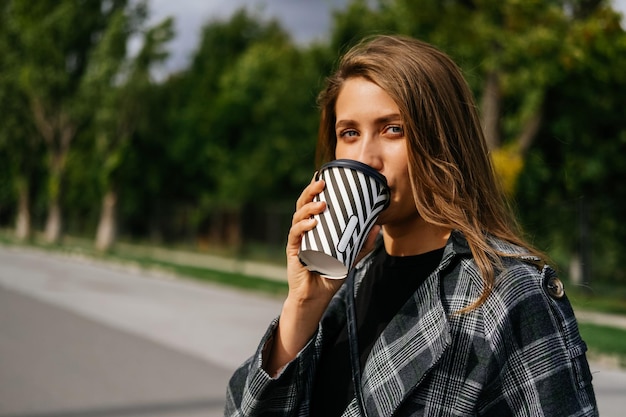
(279, 273)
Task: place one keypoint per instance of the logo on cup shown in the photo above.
(355, 194)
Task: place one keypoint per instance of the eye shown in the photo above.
(395, 131)
(348, 134)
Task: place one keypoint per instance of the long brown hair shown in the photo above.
(452, 177)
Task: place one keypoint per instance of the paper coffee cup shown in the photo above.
(355, 194)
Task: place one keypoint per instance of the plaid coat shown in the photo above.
(518, 354)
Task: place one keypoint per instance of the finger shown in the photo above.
(296, 233)
(301, 227)
(308, 210)
(311, 190)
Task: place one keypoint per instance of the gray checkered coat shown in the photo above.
(518, 354)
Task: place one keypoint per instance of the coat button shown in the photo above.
(555, 288)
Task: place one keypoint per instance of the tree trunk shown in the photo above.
(491, 110)
(22, 223)
(232, 229)
(105, 237)
(58, 130)
(53, 224)
(530, 130)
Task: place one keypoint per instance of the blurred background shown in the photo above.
(192, 125)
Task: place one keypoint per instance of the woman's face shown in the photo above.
(369, 129)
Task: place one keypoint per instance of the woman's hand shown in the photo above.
(306, 286)
(309, 293)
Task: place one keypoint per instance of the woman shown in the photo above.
(449, 312)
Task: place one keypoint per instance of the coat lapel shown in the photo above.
(410, 345)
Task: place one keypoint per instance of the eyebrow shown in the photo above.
(381, 120)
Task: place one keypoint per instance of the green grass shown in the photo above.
(208, 275)
(600, 297)
(604, 341)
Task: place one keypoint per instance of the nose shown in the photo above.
(370, 153)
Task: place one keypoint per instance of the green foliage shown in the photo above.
(243, 117)
(56, 38)
(561, 62)
(578, 155)
(605, 340)
(193, 96)
(254, 148)
(357, 21)
(117, 86)
(20, 148)
(235, 131)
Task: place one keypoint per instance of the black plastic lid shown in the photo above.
(358, 166)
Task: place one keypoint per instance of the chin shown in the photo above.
(382, 218)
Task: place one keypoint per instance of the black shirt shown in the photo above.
(388, 284)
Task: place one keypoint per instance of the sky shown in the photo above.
(306, 20)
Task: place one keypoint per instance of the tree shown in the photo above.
(19, 141)
(55, 39)
(575, 170)
(357, 21)
(17, 134)
(233, 118)
(116, 85)
(529, 62)
(263, 137)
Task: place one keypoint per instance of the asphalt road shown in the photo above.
(56, 363)
(79, 338)
(88, 339)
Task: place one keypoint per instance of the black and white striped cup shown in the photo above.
(355, 194)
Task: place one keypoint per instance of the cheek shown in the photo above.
(404, 194)
(343, 151)
(339, 152)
